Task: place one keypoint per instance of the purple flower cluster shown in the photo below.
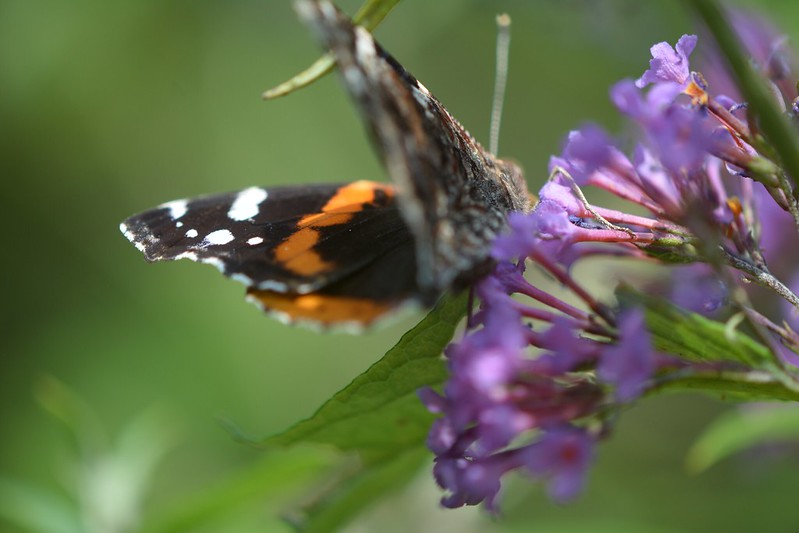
(535, 381)
(498, 393)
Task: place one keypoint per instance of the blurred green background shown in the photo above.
(108, 108)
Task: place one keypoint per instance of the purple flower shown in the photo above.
(499, 424)
(787, 356)
(591, 147)
(682, 138)
(442, 436)
(629, 363)
(644, 108)
(520, 241)
(494, 398)
(628, 99)
(566, 349)
(560, 194)
(698, 289)
(510, 276)
(547, 229)
(776, 229)
(469, 482)
(669, 65)
(658, 183)
(483, 363)
(562, 456)
(589, 156)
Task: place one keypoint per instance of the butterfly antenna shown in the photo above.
(500, 79)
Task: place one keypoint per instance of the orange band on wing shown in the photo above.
(358, 192)
(346, 201)
(324, 219)
(321, 308)
(296, 253)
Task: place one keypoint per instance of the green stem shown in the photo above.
(779, 134)
(762, 277)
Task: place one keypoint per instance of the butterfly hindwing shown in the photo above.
(377, 288)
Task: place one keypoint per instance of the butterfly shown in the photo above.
(349, 254)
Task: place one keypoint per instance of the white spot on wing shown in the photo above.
(242, 278)
(254, 241)
(305, 288)
(179, 225)
(215, 262)
(129, 235)
(177, 208)
(192, 233)
(272, 285)
(191, 256)
(246, 203)
(220, 236)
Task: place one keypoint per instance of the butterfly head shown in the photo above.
(511, 176)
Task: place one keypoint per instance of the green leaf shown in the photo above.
(740, 429)
(79, 419)
(693, 337)
(369, 16)
(379, 412)
(36, 509)
(380, 417)
(141, 446)
(368, 486)
(276, 477)
(129, 465)
(749, 386)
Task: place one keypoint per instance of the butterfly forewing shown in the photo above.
(287, 239)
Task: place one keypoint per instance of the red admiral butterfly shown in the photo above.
(350, 253)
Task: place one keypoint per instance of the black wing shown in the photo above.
(288, 240)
